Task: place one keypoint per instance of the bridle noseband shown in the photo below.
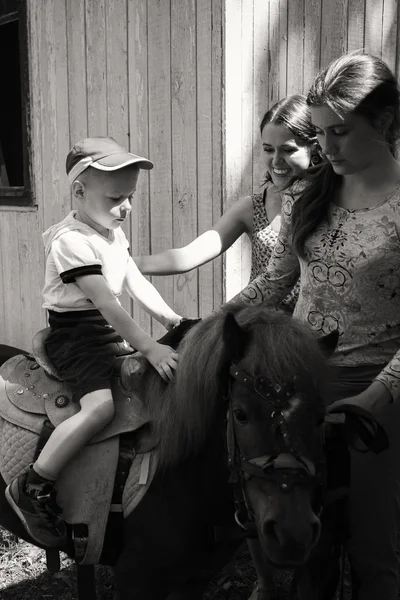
(285, 469)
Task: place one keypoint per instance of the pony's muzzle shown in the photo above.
(286, 544)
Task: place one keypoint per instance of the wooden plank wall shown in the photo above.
(149, 73)
(274, 48)
(185, 83)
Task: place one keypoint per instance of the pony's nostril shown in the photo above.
(271, 530)
(316, 530)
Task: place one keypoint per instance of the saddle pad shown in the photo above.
(84, 488)
(28, 396)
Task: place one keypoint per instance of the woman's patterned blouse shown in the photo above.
(350, 281)
(263, 240)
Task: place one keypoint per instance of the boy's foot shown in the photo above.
(36, 507)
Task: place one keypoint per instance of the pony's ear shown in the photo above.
(235, 339)
(174, 336)
(328, 342)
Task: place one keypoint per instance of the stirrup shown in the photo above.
(40, 354)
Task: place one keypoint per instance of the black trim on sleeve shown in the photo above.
(70, 275)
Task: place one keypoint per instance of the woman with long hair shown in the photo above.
(341, 236)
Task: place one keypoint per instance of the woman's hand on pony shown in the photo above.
(374, 399)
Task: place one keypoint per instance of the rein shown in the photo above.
(285, 469)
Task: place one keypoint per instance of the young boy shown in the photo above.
(87, 267)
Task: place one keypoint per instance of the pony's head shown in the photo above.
(264, 370)
(274, 429)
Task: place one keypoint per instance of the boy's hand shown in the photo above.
(172, 322)
(164, 359)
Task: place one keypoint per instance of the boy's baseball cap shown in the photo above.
(102, 153)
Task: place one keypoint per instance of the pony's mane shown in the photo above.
(184, 411)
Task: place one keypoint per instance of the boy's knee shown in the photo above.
(99, 405)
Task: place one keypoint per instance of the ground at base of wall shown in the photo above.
(23, 576)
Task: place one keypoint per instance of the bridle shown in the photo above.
(285, 469)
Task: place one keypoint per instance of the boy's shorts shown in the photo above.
(82, 346)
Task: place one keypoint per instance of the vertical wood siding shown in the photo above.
(278, 46)
(149, 73)
(185, 83)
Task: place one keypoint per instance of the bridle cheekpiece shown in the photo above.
(286, 469)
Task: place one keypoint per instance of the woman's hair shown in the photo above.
(294, 114)
(354, 83)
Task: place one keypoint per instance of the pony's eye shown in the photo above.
(240, 415)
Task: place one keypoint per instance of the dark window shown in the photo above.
(14, 126)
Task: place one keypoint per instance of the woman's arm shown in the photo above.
(390, 377)
(210, 244)
(282, 271)
(140, 289)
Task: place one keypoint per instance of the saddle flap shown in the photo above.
(28, 387)
(31, 396)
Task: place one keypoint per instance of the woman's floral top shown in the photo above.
(349, 281)
(263, 240)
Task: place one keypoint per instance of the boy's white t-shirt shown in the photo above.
(73, 249)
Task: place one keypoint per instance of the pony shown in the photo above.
(238, 436)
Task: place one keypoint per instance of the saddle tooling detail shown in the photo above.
(28, 397)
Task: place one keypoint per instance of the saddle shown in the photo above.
(34, 400)
(114, 470)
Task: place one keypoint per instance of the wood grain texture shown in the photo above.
(186, 87)
(217, 125)
(233, 138)
(355, 28)
(205, 197)
(160, 136)
(389, 33)
(184, 167)
(373, 26)
(260, 86)
(333, 30)
(247, 132)
(96, 67)
(116, 13)
(277, 57)
(312, 41)
(295, 51)
(139, 135)
(76, 62)
(54, 111)
(282, 48)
